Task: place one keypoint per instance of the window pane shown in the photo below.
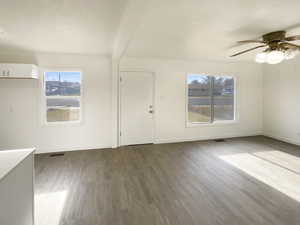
(52, 83)
(70, 83)
(199, 100)
(63, 83)
(63, 110)
(223, 98)
(63, 114)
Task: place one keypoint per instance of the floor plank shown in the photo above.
(243, 181)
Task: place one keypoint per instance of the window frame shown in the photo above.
(211, 122)
(45, 97)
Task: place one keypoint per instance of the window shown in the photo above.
(210, 98)
(63, 96)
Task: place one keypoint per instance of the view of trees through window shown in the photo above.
(63, 91)
(210, 98)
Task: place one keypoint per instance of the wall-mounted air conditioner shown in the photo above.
(18, 71)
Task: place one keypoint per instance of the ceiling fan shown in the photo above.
(278, 47)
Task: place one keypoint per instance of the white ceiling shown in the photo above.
(183, 29)
(207, 29)
(60, 26)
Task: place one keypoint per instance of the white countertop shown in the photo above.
(11, 158)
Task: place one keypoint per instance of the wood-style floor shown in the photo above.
(243, 181)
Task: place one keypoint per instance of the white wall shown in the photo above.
(282, 101)
(20, 113)
(170, 97)
(21, 123)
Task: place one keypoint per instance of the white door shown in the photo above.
(137, 109)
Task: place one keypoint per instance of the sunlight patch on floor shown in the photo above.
(274, 168)
(282, 159)
(49, 207)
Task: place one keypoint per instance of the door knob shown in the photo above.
(151, 111)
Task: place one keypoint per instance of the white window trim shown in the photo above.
(213, 123)
(44, 99)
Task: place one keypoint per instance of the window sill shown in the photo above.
(215, 124)
(60, 124)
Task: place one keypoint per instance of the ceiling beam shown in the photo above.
(130, 21)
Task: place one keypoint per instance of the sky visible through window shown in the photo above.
(64, 76)
(197, 77)
(201, 78)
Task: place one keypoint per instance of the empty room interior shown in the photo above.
(149, 112)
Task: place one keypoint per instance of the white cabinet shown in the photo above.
(17, 187)
(9, 70)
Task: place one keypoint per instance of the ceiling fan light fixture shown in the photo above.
(278, 47)
(275, 57)
(291, 53)
(261, 57)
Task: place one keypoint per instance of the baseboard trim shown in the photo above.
(161, 141)
(284, 139)
(56, 150)
(204, 138)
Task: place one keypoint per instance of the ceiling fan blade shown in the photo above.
(250, 41)
(248, 50)
(289, 45)
(292, 38)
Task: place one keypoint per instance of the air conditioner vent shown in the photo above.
(57, 154)
(220, 140)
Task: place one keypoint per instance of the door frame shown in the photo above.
(120, 103)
